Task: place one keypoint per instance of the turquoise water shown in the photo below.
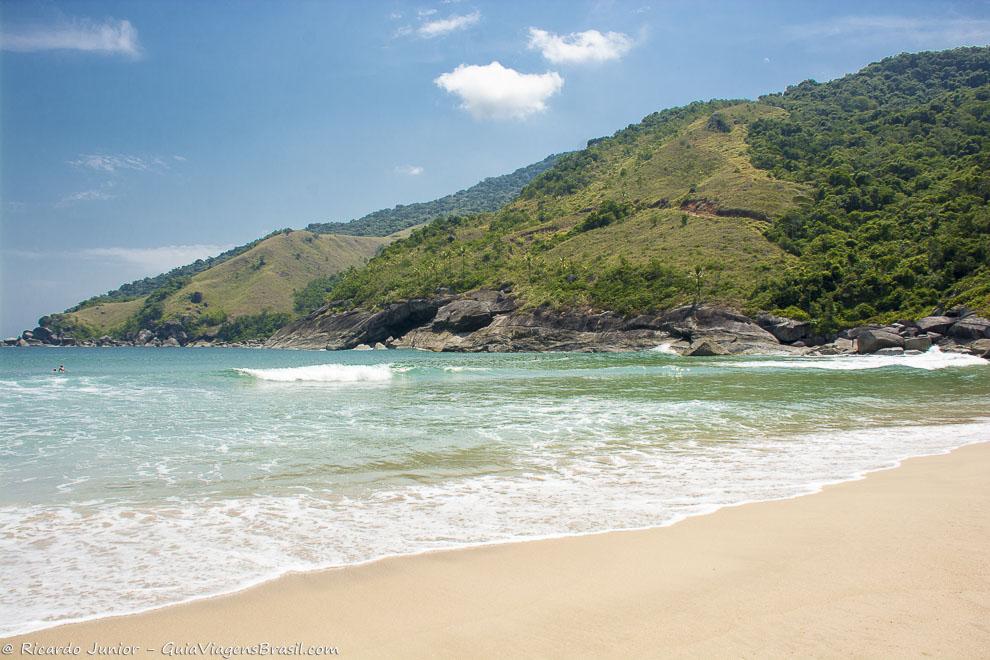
(144, 477)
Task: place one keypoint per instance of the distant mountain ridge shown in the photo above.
(489, 195)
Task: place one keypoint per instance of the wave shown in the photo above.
(666, 349)
(930, 360)
(324, 373)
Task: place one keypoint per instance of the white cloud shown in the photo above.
(109, 37)
(154, 259)
(497, 92)
(580, 47)
(179, 158)
(409, 170)
(766, 60)
(929, 31)
(422, 13)
(114, 162)
(98, 194)
(443, 26)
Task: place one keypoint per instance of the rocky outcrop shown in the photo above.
(337, 331)
(489, 321)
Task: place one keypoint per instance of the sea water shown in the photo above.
(144, 477)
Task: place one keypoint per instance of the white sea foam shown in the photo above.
(665, 348)
(90, 559)
(324, 373)
(930, 360)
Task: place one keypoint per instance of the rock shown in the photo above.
(787, 331)
(463, 316)
(890, 351)
(981, 347)
(27, 334)
(939, 324)
(381, 347)
(705, 348)
(22, 342)
(362, 347)
(68, 341)
(845, 345)
(970, 328)
(171, 342)
(343, 330)
(920, 343)
(959, 312)
(871, 341)
(43, 334)
(144, 336)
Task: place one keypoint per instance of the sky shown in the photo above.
(139, 136)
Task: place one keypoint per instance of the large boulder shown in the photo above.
(787, 331)
(144, 336)
(463, 316)
(44, 334)
(871, 341)
(939, 324)
(970, 328)
(919, 343)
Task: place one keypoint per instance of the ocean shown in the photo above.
(145, 477)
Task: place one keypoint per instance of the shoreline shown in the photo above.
(97, 628)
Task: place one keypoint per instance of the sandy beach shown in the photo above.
(892, 565)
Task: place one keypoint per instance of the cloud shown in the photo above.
(179, 158)
(409, 170)
(580, 47)
(109, 37)
(422, 13)
(933, 31)
(497, 92)
(114, 162)
(443, 26)
(766, 60)
(98, 194)
(154, 259)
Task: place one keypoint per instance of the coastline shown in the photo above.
(820, 573)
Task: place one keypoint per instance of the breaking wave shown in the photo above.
(930, 360)
(324, 373)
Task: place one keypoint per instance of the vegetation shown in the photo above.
(603, 228)
(254, 326)
(313, 295)
(898, 221)
(488, 195)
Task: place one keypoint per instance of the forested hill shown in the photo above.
(488, 195)
(861, 199)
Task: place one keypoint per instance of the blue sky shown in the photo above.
(137, 136)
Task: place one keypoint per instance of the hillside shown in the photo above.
(488, 195)
(262, 279)
(860, 199)
(634, 222)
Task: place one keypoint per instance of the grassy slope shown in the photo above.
(532, 243)
(264, 277)
(103, 318)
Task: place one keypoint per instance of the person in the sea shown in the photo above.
(61, 368)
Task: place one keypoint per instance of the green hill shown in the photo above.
(488, 195)
(860, 199)
(264, 281)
